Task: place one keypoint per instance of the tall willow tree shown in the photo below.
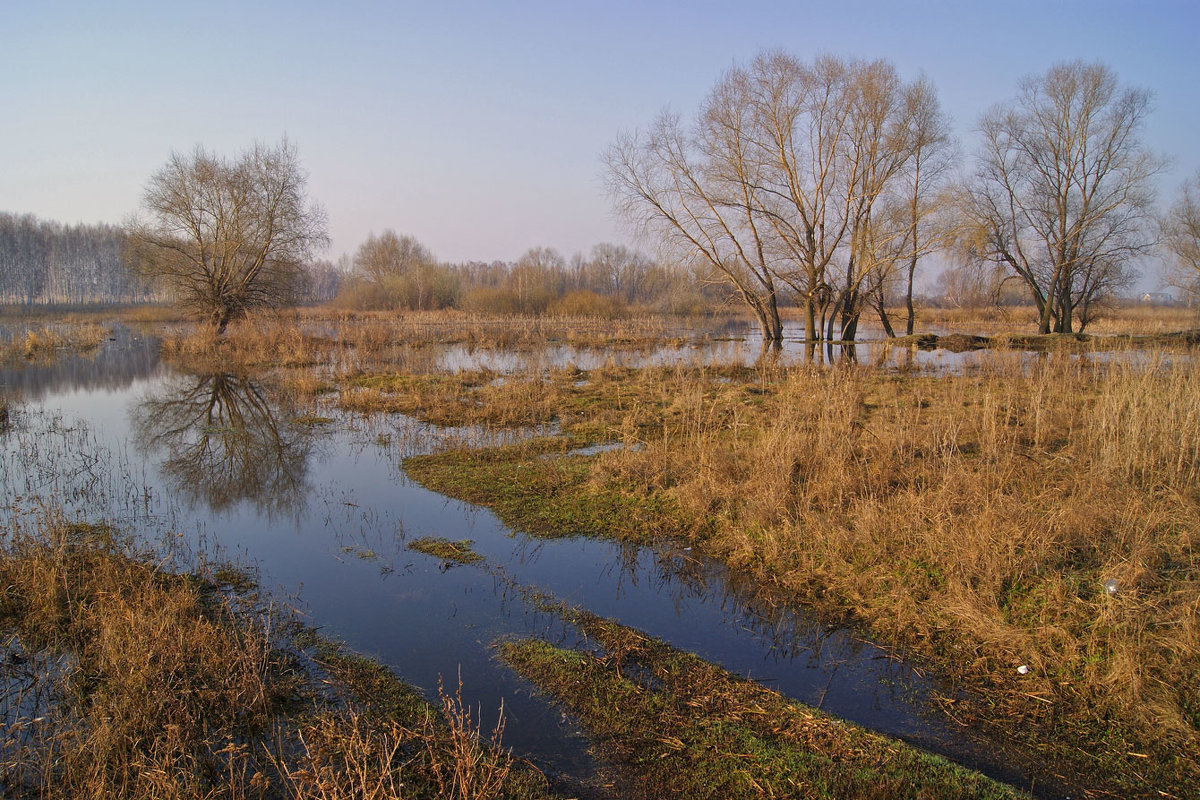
(229, 236)
(1063, 193)
(781, 183)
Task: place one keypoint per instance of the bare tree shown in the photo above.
(227, 236)
(880, 140)
(685, 189)
(1063, 190)
(391, 271)
(388, 255)
(1181, 233)
(777, 184)
(928, 226)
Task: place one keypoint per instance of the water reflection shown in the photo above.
(223, 443)
(127, 357)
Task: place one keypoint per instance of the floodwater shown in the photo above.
(323, 511)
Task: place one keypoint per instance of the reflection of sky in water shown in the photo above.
(339, 547)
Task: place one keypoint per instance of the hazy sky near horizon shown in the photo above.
(478, 127)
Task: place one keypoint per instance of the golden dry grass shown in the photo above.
(122, 680)
(159, 687)
(975, 517)
(46, 342)
(1125, 318)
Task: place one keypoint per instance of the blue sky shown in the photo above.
(478, 127)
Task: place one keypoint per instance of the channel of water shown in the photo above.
(324, 512)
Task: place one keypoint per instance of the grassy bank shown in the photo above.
(974, 520)
(686, 728)
(123, 680)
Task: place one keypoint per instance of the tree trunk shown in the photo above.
(887, 323)
(908, 299)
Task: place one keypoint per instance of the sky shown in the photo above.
(479, 127)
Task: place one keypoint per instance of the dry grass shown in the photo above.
(975, 517)
(1126, 318)
(121, 680)
(348, 755)
(158, 688)
(267, 340)
(45, 343)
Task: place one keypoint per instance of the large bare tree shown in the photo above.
(691, 190)
(1181, 233)
(228, 236)
(917, 219)
(1063, 192)
(776, 184)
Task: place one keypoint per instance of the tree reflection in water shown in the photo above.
(224, 443)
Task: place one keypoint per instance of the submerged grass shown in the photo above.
(687, 728)
(459, 552)
(122, 680)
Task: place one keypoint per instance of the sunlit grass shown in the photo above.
(123, 680)
(973, 519)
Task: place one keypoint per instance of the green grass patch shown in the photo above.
(687, 728)
(371, 686)
(459, 552)
(546, 497)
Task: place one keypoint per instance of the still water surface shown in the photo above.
(324, 512)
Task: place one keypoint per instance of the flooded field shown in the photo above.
(319, 505)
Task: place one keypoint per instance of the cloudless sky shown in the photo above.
(478, 127)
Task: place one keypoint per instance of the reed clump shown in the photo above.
(45, 343)
(267, 340)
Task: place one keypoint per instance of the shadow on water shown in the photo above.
(326, 514)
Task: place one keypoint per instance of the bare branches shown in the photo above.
(1063, 190)
(229, 236)
(1181, 234)
(779, 181)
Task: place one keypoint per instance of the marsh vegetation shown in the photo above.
(122, 679)
(1020, 526)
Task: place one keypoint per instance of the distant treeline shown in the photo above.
(397, 272)
(43, 263)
